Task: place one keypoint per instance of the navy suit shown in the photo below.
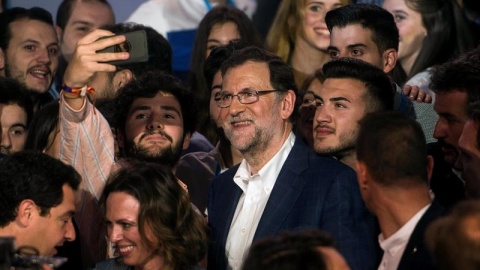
(310, 192)
(416, 255)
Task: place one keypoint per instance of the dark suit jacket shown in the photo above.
(416, 255)
(310, 192)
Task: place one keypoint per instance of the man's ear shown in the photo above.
(121, 78)
(59, 32)
(362, 174)
(288, 105)
(389, 58)
(26, 211)
(430, 164)
(186, 140)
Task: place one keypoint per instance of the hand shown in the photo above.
(416, 94)
(86, 61)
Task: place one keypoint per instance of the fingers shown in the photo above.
(406, 90)
(421, 95)
(94, 35)
(428, 98)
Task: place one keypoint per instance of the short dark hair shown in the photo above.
(147, 86)
(10, 15)
(14, 93)
(65, 10)
(290, 250)
(460, 74)
(379, 89)
(35, 176)
(281, 75)
(159, 49)
(393, 148)
(454, 243)
(165, 212)
(372, 17)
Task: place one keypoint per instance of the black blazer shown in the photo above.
(311, 192)
(416, 255)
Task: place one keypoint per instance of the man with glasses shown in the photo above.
(280, 184)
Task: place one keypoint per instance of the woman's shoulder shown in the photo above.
(111, 264)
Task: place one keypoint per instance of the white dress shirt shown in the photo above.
(256, 191)
(394, 246)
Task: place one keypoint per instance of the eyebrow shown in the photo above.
(217, 86)
(68, 214)
(351, 46)
(37, 42)
(146, 108)
(19, 125)
(340, 99)
(400, 11)
(82, 22)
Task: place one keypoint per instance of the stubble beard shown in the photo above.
(344, 148)
(166, 156)
(21, 77)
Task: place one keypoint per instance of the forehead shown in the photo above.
(120, 203)
(12, 114)
(344, 87)
(95, 13)
(26, 29)
(351, 34)
(251, 74)
(451, 102)
(161, 99)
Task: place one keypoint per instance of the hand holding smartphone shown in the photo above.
(135, 44)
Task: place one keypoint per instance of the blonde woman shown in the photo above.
(300, 36)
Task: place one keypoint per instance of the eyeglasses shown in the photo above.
(247, 96)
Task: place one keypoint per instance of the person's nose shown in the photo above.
(115, 234)
(155, 123)
(70, 231)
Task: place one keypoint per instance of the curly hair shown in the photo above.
(147, 86)
(165, 212)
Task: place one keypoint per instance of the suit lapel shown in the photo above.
(286, 190)
(228, 200)
(416, 242)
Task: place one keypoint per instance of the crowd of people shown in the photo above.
(344, 136)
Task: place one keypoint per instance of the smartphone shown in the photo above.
(135, 44)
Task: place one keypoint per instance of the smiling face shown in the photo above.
(85, 17)
(13, 123)
(221, 34)
(354, 41)
(121, 217)
(315, 31)
(451, 109)
(339, 109)
(56, 227)
(154, 129)
(31, 57)
(251, 127)
(410, 28)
